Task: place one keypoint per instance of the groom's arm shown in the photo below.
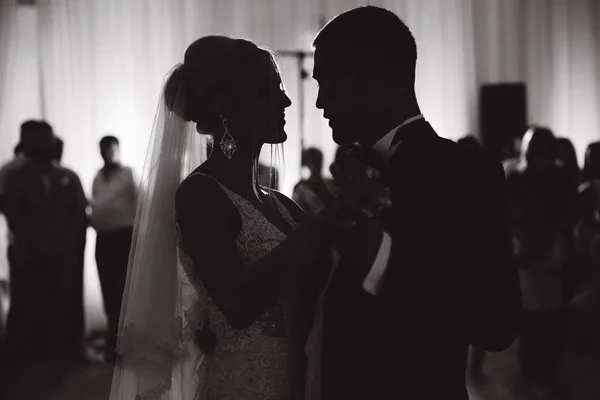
(452, 251)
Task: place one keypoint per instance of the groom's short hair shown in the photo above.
(373, 34)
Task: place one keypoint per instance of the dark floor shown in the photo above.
(500, 381)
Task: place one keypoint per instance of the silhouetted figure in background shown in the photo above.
(17, 161)
(513, 158)
(41, 208)
(430, 275)
(114, 201)
(567, 158)
(542, 197)
(591, 166)
(575, 265)
(586, 282)
(588, 230)
(304, 191)
(74, 296)
(5, 170)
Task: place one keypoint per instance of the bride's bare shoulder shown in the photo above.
(201, 192)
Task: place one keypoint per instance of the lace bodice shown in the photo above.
(260, 350)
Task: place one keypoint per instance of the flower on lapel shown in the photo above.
(361, 178)
(65, 180)
(373, 173)
(375, 194)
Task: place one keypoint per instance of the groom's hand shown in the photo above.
(359, 243)
(359, 193)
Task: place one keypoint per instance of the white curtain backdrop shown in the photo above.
(95, 67)
(19, 86)
(554, 47)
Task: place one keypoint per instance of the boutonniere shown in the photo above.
(373, 173)
(387, 198)
(377, 192)
(65, 180)
(362, 181)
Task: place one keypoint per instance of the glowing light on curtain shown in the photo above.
(553, 47)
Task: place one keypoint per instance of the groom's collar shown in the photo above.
(384, 146)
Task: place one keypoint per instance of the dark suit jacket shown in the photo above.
(449, 282)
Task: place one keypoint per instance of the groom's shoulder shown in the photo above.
(439, 154)
(443, 159)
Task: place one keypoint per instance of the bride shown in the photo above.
(222, 270)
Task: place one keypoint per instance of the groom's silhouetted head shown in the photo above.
(365, 62)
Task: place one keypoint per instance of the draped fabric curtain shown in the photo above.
(105, 61)
(7, 21)
(95, 67)
(554, 47)
(102, 63)
(8, 12)
(19, 86)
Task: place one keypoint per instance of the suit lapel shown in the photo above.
(417, 133)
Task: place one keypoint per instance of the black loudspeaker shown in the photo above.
(503, 117)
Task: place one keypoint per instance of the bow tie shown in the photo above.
(366, 155)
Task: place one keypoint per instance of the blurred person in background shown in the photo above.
(585, 302)
(74, 295)
(304, 191)
(567, 158)
(575, 265)
(114, 201)
(5, 170)
(512, 158)
(591, 165)
(541, 200)
(41, 203)
(589, 205)
(18, 159)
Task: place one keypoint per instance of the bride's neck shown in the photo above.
(236, 173)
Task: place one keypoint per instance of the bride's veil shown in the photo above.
(157, 358)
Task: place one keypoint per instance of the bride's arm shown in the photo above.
(209, 224)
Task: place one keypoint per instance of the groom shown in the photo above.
(428, 272)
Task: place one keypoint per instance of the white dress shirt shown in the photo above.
(114, 200)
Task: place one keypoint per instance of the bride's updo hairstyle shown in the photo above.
(220, 76)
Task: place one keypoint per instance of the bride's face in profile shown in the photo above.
(269, 107)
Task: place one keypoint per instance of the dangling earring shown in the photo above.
(227, 141)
